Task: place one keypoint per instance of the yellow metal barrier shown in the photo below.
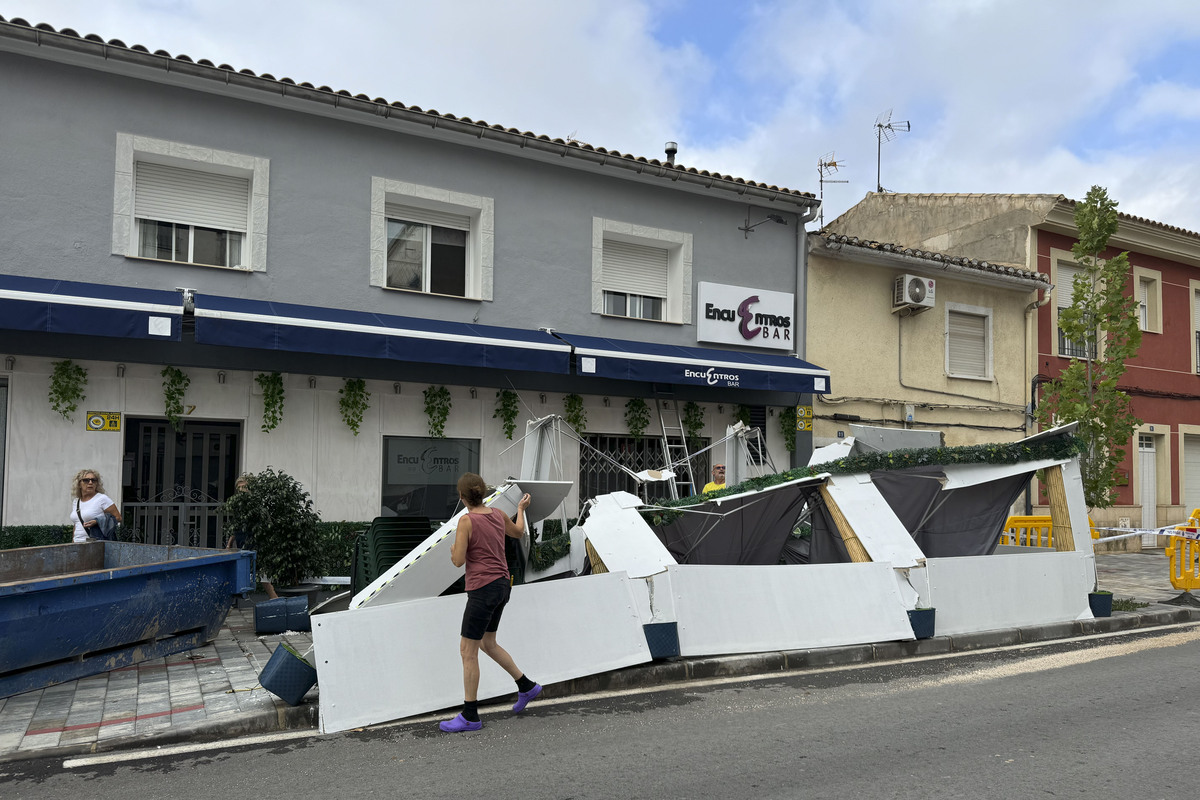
(1033, 531)
(1185, 560)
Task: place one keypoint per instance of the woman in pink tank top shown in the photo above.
(479, 545)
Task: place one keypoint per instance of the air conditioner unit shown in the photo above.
(913, 292)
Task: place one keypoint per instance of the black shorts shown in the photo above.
(484, 607)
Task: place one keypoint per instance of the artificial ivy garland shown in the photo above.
(175, 383)
(637, 416)
(787, 426)
(741, 414)
(437, 409)
(1060, 448)
(67, 383)
(693, 423)
(353, 400)
(507, 406)
(575, 416)
(271, 384)
(552, 545)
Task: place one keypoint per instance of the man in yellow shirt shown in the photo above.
(718, 481)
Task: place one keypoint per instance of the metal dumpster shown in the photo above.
(72, 610)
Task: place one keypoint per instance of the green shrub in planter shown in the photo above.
(279, 514)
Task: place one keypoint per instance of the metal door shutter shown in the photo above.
(191, 197)
(635, 268)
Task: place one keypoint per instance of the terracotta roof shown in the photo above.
(1056, 198)
(117, 50)
(937, 260)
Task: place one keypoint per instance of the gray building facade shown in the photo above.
(156, 211)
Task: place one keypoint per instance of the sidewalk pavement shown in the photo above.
(212, 692)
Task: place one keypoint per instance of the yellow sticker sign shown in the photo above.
(103, 420)
(804, 418)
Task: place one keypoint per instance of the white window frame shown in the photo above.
(480, 239)
(677, 307)
(1194, 301)
(132, 149)
(976, 311)
(1061, 285)
(1150, 312)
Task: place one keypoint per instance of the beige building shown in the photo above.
(920, 339)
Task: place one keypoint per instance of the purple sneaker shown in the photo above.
(460, 724)
(523, 698)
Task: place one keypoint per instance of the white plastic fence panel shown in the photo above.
(1008, 591)
(396, 660)
(731, 609)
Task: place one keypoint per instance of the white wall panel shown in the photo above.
(1008, 591)
(752, 609)
(555, 631)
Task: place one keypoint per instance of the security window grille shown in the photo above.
(598, 475)
(635, 279)
(758, 419)
(190, 216)
(967, 345)
(1065, 288)
(427, 250)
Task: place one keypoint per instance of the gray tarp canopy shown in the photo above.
(966, 521)
(750, 528)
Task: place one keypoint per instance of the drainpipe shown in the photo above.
(1034, 382)
(800, 320)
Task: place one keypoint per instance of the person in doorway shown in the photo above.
(718, 481)
(87, 490)
(244, 540)
(479, 544)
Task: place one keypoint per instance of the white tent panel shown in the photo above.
(556, 631)
(622, 538)
(1008, 591)
(959, 476)
(730, 609)
(873, 521)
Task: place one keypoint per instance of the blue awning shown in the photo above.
(234, 322)
(50, 306)
(673, 364)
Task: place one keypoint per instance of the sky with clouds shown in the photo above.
(1041, 96)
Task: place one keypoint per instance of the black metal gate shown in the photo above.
(175, 483)
(599, 475)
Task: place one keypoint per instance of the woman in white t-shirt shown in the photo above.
(89, 501)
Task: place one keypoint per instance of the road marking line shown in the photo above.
(197, 747)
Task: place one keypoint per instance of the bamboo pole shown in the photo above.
(594, 558)
(1060, 517)
(858, 553)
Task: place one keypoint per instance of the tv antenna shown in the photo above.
(827, 165)
(885, 131)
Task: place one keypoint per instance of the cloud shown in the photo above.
(1003, 95)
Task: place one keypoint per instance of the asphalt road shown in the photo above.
(1115, 717)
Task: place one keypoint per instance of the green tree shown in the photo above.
(1102, 321)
